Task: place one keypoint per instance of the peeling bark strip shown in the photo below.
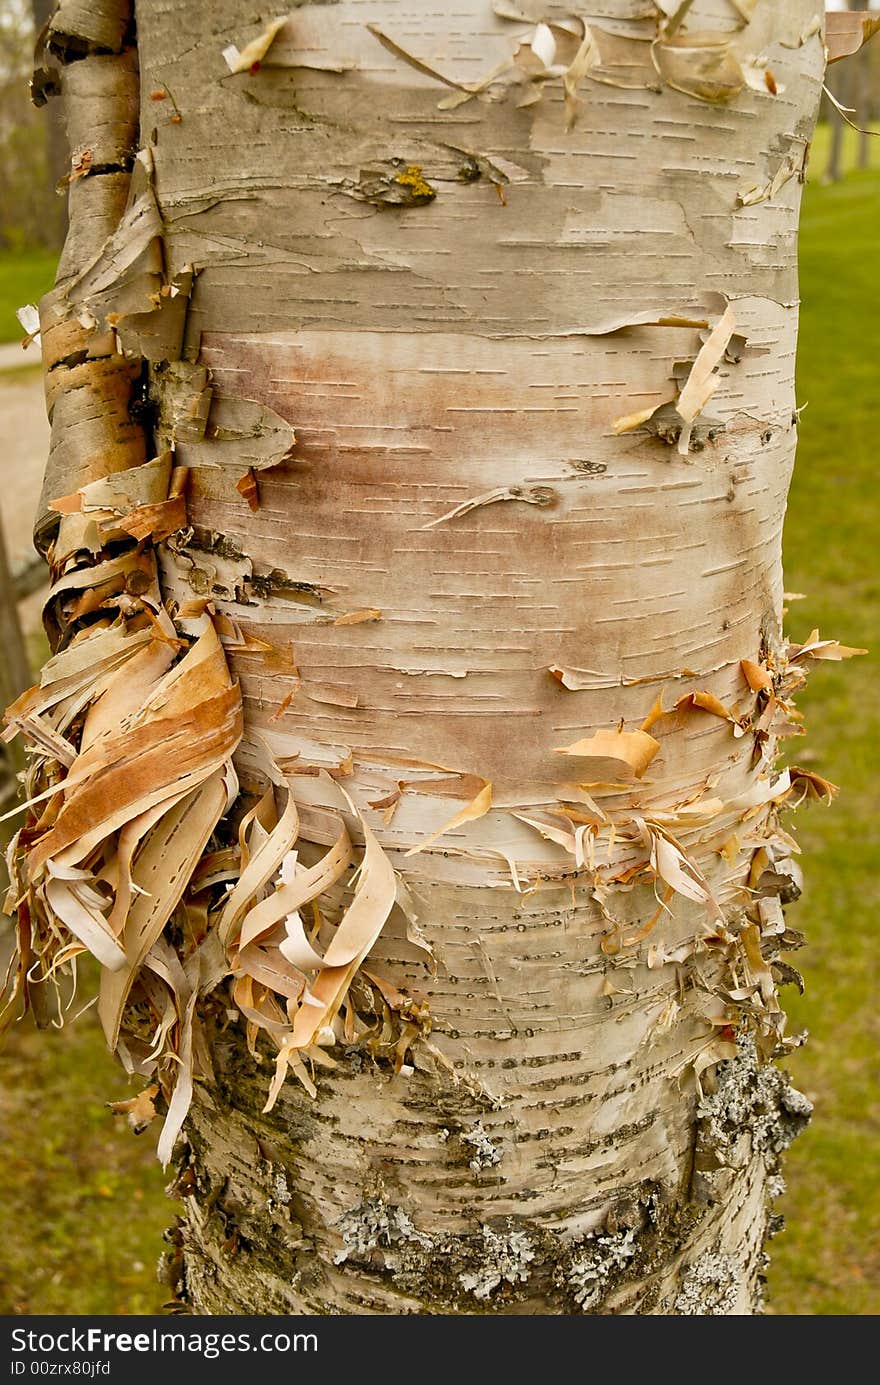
(426, 449)
(132, 727)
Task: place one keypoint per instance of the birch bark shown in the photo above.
(516, 588)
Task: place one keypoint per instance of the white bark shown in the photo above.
(495, 537)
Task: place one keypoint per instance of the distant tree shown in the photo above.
(31, 215)
(852, 85)
(53, 125)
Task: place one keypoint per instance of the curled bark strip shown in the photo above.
(846, 32)
(89, 26)
(134, 723)
(527, 495)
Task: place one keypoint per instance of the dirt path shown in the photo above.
(12, 354)
(24, 445)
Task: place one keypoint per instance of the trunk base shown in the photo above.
(255, 1240)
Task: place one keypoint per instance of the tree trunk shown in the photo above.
(508, 610)
(56, 142)
(851, 88)
(864, 105)
(843, 93)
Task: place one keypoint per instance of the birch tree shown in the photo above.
(421, 387)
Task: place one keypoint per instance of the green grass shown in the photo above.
(83, 1206)
(828, 1260)
(24, 278)
(849, 155)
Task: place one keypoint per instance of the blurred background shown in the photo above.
(82, 1203)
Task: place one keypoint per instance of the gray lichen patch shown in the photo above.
(485, 1153)
(376, 1225)
(643, 1235)
(280, 1188)
(598, 1264)
(753, 1109)
(497, 1264)
(709, 1287)
(506, 1257)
